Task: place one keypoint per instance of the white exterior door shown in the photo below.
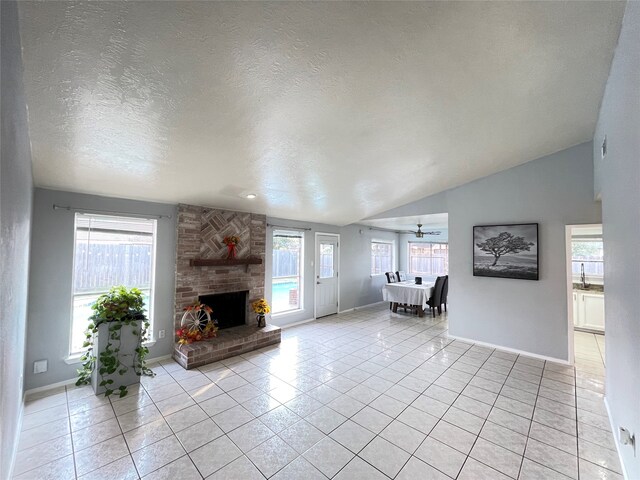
(327, 256)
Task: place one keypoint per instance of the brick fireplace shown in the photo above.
(200, 237)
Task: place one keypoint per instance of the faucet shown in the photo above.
(585, 285)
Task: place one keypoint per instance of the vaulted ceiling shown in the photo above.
(328, 111)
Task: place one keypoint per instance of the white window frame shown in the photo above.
(409, 243)
(393, 256)
(74, 356)
(301, 274)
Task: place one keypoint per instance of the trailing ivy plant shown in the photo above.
(118, 308)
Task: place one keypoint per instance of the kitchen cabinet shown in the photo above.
(588, 310)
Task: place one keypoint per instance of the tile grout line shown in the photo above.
(445, 412)
(368, 405)
(405, 375)
(487, 419)
(115, 416)
(602, 355)
(526, 442)
(393, 342)
(73, 449)
(396, 417)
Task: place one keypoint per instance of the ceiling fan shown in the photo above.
(421, 234)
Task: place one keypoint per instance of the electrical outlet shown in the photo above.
(40, 366)
(160, 333)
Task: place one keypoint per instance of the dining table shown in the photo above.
(408, 293)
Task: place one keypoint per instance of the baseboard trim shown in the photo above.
(370, 305)
(615, 438)
(295, 324)
(511, 350)
(160, 358)
(71, 381)
(354, 309)
(51, 386)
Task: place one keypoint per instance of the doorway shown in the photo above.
(586, 290)
(327, 265)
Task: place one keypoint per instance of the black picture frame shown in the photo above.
(506, 251)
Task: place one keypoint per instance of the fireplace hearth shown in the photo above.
(229, 309)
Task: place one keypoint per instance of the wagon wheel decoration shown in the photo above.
(196, 317)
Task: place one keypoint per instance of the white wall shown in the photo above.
(51, 277)
(357, 286)
(16, 195)
(618, 181)
(530, 316)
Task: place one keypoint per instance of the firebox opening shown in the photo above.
(229, 309)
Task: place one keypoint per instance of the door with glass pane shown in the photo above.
(326, 275)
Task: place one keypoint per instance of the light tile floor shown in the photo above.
(362, 395)
(589, 349)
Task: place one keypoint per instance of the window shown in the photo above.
(110, 251)
(381, 257)
(326, 260)
(428, 258)
(286, 284)
(588, 253)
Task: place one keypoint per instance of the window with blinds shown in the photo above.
(110, 251)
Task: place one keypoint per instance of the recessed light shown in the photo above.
(251, 196)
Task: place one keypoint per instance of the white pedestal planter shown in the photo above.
(128, 343)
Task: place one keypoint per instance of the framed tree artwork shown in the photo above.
(506, 251)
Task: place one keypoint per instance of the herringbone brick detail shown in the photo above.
(217, 224)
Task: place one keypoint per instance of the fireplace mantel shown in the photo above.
(216, 262)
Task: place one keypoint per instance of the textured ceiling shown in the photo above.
(329, 112)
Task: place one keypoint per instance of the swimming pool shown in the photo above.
(284, 295)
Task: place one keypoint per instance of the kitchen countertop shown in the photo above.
(593, 288)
